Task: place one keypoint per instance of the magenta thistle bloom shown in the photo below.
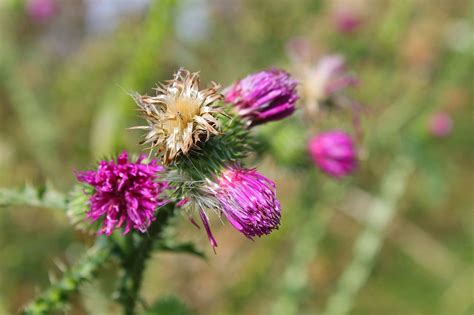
(126, 194)
(248, 200)
(264, 96)
(334, 153)
(440, 125)
(41, 10)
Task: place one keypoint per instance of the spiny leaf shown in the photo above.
(36, 197)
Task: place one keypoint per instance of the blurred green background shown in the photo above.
(396, 238)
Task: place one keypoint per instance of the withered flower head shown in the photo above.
(180, 115)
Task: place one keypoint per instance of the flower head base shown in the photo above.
(180, 115)
(248, 200)
(264, 96)
(126, 194)
(334, 153)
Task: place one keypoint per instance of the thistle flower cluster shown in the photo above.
(201, 138)
(200, 142)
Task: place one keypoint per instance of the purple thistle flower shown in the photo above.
(347, 20)
(248, 200)
(126, 193)
(264, 96)
(334, 153)
(330, 76)
(440, 125)
(41, 10)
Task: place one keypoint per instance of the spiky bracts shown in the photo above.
(179, 116)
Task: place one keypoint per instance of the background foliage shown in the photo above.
(397, 238)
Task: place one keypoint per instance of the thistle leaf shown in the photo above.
(45, 197)
(184, 248)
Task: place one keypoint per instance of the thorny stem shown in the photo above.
(84, 270)
(134, 260)
(369, 242)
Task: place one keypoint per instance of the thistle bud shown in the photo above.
(264, 96)
(245, 197)
(248, 200)
(334, 153)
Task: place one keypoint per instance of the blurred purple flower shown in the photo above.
(248, 200)
(126, 193)
(440, 124)
(41, 10)
(264, 96)
(347, 21)
(299, 49)
(329, 76)
(334, 153)
(323, 85)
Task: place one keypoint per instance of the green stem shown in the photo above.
(135, 258)
(370, 240)
(294, 283)
(83, 271)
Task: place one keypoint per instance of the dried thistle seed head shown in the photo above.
(180, 115)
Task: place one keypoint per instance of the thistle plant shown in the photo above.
(197, 148)
(271, 175)
(198, 143)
